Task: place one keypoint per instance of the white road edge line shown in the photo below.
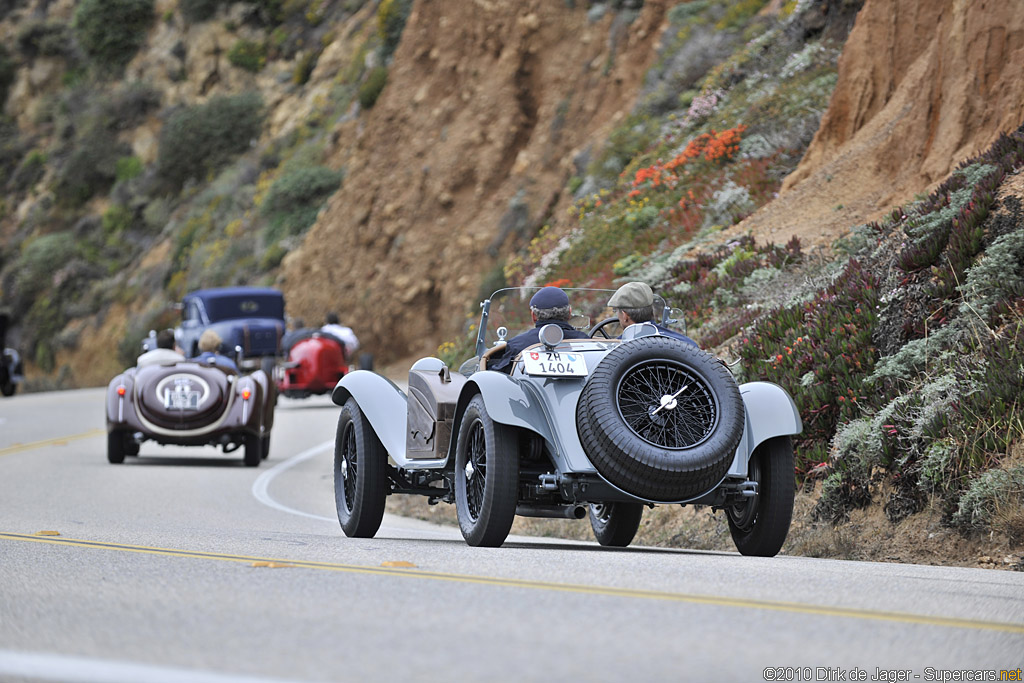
(262, 483)
(70, 669)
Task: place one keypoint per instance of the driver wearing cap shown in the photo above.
(548, 306)
(634, 303)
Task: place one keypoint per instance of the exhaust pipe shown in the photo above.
(552, 511)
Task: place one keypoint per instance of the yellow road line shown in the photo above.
(57, 440)
(721, 601)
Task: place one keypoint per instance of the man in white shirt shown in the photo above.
(343, 334)
(163, 354)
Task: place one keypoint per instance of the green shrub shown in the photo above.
(371, 88)
(199, 10)
(29, 172)
(127, 168)
(8, 70)
(304, 67)
(391, 18)
(272, 256)
(35, 265)
(997, 277)
(46, 39)
(128, 106)
(738, 13)
(294, 199)
(116, 221)
(248, 55)
(91, 168)
(985, 495)
(199, 140)
(130, 345)
(111, 31)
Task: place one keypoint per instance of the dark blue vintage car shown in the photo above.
(246, 318)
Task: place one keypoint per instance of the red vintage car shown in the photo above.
(314, 364)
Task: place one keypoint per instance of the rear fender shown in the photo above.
(506, 402)
(383, 404)
(770, 412)
(119, 406)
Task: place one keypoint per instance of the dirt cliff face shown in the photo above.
(922, 85)
(464, 155)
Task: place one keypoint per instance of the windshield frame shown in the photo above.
(579, 298)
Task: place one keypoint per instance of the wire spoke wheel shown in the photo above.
(759, 525)
(660, 419)
(477, 476)
(743, 514)
(350, 465)
(615, 524)
(360, 474)
(486, 476)
(667, 405)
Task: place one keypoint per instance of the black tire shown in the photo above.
(615, 524)
(115, 447)
(360, 474)
(759, 525)
(486, 477)
(661, 419)
(253, 450)
(131, 447)
(8, 388)
(266, 446)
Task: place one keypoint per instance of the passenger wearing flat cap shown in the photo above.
(634, 303)
(548, 306)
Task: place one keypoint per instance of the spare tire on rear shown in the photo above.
(661, 419)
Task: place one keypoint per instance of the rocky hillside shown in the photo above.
(488, 126)
(486, 117)
(922, 86)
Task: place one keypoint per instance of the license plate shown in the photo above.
(182, 400)
(554, 364)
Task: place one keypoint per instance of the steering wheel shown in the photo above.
(600, 327)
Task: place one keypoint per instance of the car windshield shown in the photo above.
(246, 306)
(510, 308)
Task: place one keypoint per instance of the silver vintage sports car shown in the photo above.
(604, 425)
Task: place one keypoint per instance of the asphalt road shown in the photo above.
(183, 565)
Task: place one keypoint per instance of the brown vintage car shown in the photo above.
(190, 403)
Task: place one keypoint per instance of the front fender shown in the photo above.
(506, 402)
(383, 404)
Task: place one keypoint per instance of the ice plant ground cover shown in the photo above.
(906, 357)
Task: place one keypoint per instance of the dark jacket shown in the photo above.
(672, 333)
(503, 363)
(221, 361)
